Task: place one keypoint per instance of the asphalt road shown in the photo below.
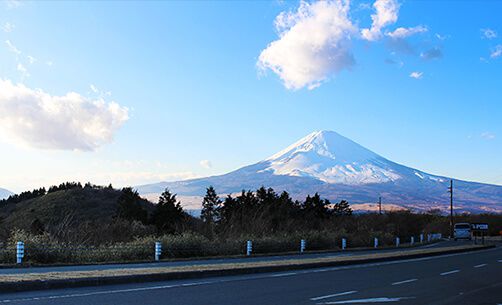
(212, 261)
(465, 278)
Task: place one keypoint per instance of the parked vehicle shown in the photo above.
(462, 231)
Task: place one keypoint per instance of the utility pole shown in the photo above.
(380, 205)
(450, 190)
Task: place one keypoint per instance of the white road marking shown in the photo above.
(480, 265)
(372, 300)
(64, 296)
(283, 274)
(449, 272)
(404, 282)
(249, 277)
(332, 295)
(195, 284)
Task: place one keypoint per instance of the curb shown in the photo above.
(123, 279)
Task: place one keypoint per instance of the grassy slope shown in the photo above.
(79, 204)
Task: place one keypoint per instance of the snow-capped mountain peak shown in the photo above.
(337, 168)
(332, 158)
(328, 144)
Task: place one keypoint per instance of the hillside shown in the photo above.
(76, 205)
(338, 168)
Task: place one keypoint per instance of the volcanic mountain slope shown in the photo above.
(338, 168)
(4, 193)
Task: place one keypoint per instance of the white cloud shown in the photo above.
(386, 14)
(8, 27)
(441, 37)
(12, 47)
(488, 33)
(93, 88)
(488, 135)
(434, 53)
(496, 52)
(364, 6)
(130, 178)
(49, 63)
(13, 3)
(31, 59)
(22, 69)
(401, 33)
(68, 122)
(315, 41)
(95, 175)
(416, 75)
(391, 61)
(313, 44)
(206, 164)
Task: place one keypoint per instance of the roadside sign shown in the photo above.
(479, 227)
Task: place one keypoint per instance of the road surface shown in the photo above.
(465, 278)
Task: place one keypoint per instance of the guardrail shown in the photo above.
(70, 254)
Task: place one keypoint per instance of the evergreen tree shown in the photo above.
(342, 209)
(316, 207)
(168, 214)
(210, 206)
(129, 207)
(226, 211)
(266, 196)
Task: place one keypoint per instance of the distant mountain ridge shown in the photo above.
(5, 193)
(338, 168)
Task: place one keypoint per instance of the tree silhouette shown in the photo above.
(342, 209)
(129, 207)
(210, 205)
(168, 214)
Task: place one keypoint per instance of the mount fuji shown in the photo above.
(338, 168)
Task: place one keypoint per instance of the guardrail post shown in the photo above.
(249, 248)
(412, 241)
(344, 243)
(421, 238)
(303, 245)
(19, 252)
(375, 243)
(397, 241)
(158, 250)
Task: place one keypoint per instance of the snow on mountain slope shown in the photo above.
(5, 193)
(332, 158)
(338, 168)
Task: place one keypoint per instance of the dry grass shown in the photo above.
(72, 275)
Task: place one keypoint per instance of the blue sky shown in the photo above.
(173, 90)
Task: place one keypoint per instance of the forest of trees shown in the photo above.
(266, 211)
(36, 193)
(262, 212)
(248, 213)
